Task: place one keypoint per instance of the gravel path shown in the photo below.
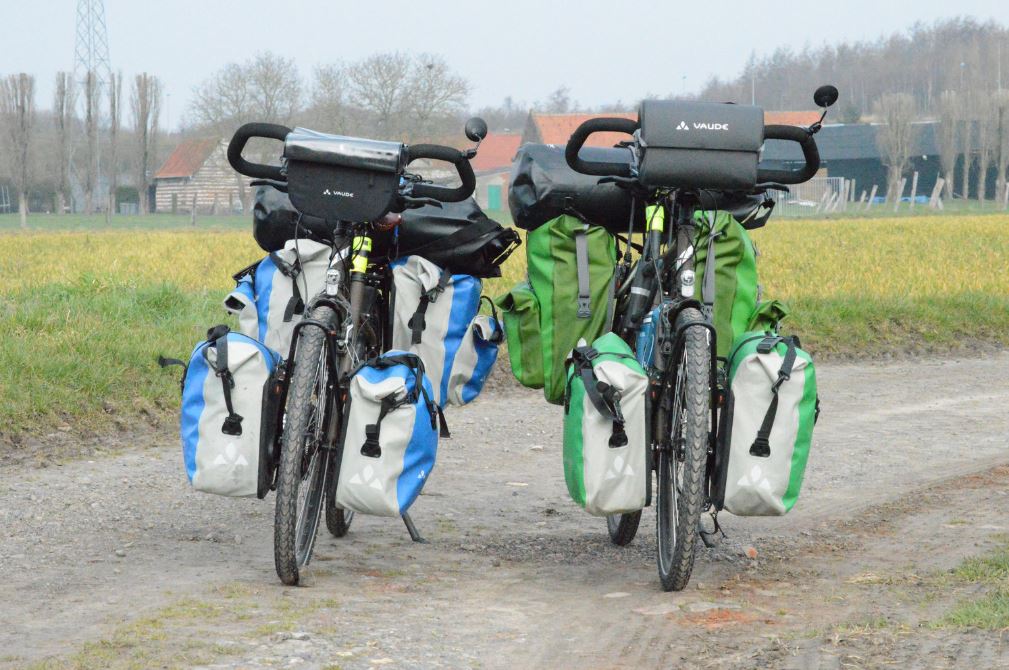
(117, 548)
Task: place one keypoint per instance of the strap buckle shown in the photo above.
(584, 307)
(232, 425)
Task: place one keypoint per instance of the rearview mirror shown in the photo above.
(825, 96)
(476, 129)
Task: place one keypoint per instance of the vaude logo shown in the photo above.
(339, 194)
(703, 126)
(231, 457)
(755, 478)
(618, 468)
(366, 478)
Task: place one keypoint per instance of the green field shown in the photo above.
(86, 308)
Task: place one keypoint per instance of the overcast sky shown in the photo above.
(601, 49)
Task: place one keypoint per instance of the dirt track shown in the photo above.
(905, 482)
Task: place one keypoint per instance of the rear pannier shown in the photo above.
(390, 436)
(272, 293)
(228, 420)
(435, 315)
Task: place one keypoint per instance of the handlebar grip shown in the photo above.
(598, 168)
(810, 153)
(449, 155)
(270, 131)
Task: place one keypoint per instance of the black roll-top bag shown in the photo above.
(275, 220)
(544, 187)
(342, 178)
(699, 145)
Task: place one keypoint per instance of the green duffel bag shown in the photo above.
(520, 311)
(767, 315)
(731, 290)
(569, 297)
(766, 427)
(606, 428)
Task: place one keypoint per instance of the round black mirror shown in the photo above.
(825, 96)
(476, 129)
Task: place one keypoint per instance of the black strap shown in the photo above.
(604, 397)
(498, 336)
(417, 323)
(248, 270)
(372, 446)
(168, 362)
(296, 305)
(217, 337)
(469, 233)
(372, 432)
(761, 446)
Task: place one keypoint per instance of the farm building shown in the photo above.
(197, 172)
(492, 166)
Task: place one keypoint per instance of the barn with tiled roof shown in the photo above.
(197, 174)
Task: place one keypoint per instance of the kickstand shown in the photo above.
(714, 538)
(412, 529)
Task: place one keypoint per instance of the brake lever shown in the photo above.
(279, 185)
(410, 202)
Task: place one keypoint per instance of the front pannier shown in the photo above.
(766, 427)
(699, 145)
(342, 178)
(606, 428)
(390, 436)
(275, 221)
(227, 422)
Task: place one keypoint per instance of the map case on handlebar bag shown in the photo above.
(228, 421)
(766, 427)
(390, 436)
(273, 293)
(342, 178)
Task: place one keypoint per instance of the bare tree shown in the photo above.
(267, 88)
(381, 84)
(435, 92)
(17, 110)
(1001, 102)
(64, 103)
(91, 112)
(559, 102)
(896, 137)
(966, 152)
(329, 106)
(115, 117)
(948, 133)
(987, 138)
(145, 102)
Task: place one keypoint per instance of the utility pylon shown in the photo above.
(91, 50)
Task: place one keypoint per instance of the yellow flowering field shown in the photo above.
(84, 315)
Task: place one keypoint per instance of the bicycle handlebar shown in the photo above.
(440, 153)
(810, 154)
(269, 131)
(598, 168)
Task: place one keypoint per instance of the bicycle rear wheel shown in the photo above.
(680, 464)
(623, 527)
(304, 469)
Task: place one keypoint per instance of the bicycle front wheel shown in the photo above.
(681, 462)
(304, 462)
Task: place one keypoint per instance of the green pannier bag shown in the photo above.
(731, 290)
(571, 266)
(766, 426)
(606, 428)
(521, 316)
(767, 316)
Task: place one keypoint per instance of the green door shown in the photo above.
(494, 196)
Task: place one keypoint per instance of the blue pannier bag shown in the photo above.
(390, 436)
(436, 316)
(229, 414)
(272, 292)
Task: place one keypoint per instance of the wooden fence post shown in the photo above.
(861, 201)
(936, 193)
(872, 197)
(192, 213)
(914, 189)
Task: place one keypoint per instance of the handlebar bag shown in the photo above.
(390, 436)
(457, 236)
(766, 427)
(606, 460)
(275, 221)
(543, 187)
(272, 293)
(339, 178)
(228, 418)
(435, 315)
(699, 145)
(571, 266)
(729, 286)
